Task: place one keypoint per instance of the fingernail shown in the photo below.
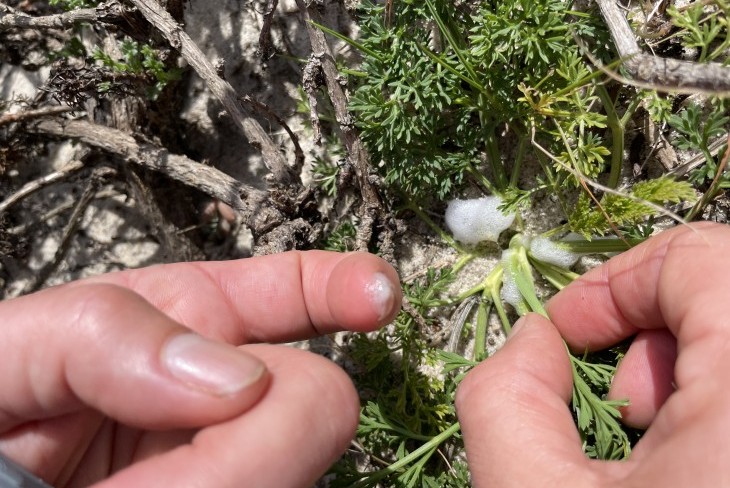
(519, 325)
(381, 293)
(212, 367)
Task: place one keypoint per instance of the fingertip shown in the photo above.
(517, 398)
(534, 351)
(363, 292)
(644, 377)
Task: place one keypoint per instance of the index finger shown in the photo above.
(676, 279)
(277, 298)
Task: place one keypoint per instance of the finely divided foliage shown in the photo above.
(453, 96)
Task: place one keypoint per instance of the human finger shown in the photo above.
(632, 291)
(67, 350)
(303, 424)
(674, 282)
(277, 298)
(646, 376)
(513, 410)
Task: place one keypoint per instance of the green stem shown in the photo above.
(712, 191)
(482, 179)
(463, 261)
(617, 135)
(596, 246)
(438, 230)
(427, 449)
(480, 333)
(517, 168)
(495, 161)
(557, 276)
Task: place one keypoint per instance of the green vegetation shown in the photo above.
(138, 59)
(500, 97)
(73, 4)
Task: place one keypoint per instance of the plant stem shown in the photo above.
(438, 230)
(480, 333)
(557, 276)
(427, 449)
(482, 179)
(715, 186)
(494, 160)
(600, 245)
(517, 168)
(617, 135)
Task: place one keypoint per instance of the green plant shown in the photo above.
(138, 59)
(73, 4)
(451, 95)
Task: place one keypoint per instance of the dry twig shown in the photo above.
(181, 168)
(107, 12)
(658, 72)
(25, 115)
(69, 230)
(180, 40)
(265, 49)
(372, 210)
(35, 185)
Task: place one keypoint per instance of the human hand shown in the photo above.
(103, 382)
(672, 293)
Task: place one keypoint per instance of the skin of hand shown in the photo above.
(671, 293)
(132, 379)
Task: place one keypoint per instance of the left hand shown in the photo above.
(110, 380)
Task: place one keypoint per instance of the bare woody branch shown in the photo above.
(163, 21)
(181, 168)
(69, 230)
(659, 72)
(372, 209)
(107, 12)
(26, 115)
(35, 185)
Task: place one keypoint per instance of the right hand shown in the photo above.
(673, 294)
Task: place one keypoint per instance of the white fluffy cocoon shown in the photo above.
(474, 221)
(545, 250)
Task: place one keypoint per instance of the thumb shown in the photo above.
(102, 346)
(513, 409)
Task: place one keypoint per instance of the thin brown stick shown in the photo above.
(24, 115)
(700, 159)
(35, 185)
(265, 50)
(107, 12)
(180, 40)
(270, 114)
(656, 72)
(69, 230)
(55, 212)
(181, 168)
(372, 208)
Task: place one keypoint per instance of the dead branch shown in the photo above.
(180, 40)
(7, 119)
(69, 230)
(265, 50)
(55, 212)
(372, 210)
(270, 114)
(35, 185)
(311, 81)
(181, 168)
(659, 72)
(700, 159)
(107, 12)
